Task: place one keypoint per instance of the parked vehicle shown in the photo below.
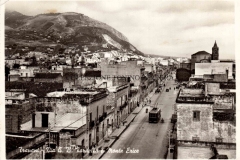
(167, 90)
(154, 115)
(174, 118)
(157, 90)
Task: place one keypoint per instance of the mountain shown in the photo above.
(65, 28)
(14, 19)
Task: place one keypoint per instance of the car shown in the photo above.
(157, 90)
(167, 90)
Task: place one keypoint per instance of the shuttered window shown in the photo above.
(196, 115)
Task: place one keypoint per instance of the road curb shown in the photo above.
(123, 130)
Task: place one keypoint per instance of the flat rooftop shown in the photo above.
(62, 93)
(203, 153)
(67, 121)
(191, 93)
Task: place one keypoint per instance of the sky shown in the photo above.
(172, 28)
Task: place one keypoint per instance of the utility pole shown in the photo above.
(49, 129)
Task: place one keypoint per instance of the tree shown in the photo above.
(183, 74)
(16, 66)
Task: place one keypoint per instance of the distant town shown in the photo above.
(73, 103)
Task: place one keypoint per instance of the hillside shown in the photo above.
(15, 19)
(65, 28)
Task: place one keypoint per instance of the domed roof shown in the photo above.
(201, 52)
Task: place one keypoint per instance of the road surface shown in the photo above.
(147, 140)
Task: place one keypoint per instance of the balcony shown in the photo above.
(91, 124)
(104, 115)
(223, 145)
(197, 100)
(101, 119)
(123, 106)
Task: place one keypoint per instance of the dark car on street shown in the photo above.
(157, 90)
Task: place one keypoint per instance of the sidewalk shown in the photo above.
(113, 137)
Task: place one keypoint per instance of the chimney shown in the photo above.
(227, 73)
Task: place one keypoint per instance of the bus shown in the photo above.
(155, 115)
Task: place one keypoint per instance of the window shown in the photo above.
(107, 123)
(219, 140)
(196, 115)
(195, 139)
(44, 120)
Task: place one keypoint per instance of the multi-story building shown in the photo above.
(205, 119)
(48, 77)
(135, 75)
(79, 118)
(18, 108)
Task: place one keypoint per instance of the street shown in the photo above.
(144, 140)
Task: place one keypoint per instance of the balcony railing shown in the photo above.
(206, 144)
(104, 115)
(91, 124)
(194, 100)
(100, 119)
(123, 106)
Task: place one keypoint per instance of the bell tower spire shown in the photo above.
(215, 54)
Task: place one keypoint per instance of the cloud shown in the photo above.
(201, 6)
(176, 28)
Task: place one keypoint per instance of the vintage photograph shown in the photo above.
(120, 79)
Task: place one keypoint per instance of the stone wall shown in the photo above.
(192, 91)
(205, 129)
(92, 108)
(126, 69)
(36, 155)
(16, 115)
(223, 102)
(212, 88)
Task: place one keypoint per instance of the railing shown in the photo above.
(91, 124)
(100, 119)
(104, 115)
(123, 106)
(194, 100)
(222, 145)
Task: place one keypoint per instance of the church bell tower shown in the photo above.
(215, 55)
